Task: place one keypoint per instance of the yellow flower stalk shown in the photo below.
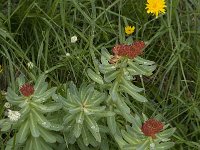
(129, 30)
(156, 6)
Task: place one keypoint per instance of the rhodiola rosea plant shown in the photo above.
(89, 114)
(30, 124)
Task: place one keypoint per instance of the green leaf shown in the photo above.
(93, 127)
(80, 118)
(114, 91)
(163, 146)
(112, 124)
(75, 110)
(29, 144)
(52, 126)
(108, 77)
(105, 53)
(131, 86)
(5, 126)
(85, 136)
(47, 136)
(68, 118)
(139, 69)
(143, 61)
(106, 68)
(23, 132)
(122, 106)
(144, 145)
(66, 102)
(36, 143)
(135, 95)
(97, 99)
(33, 126)
(40, 118)
(39, 83)
(44, 96)
(21, 80)
(130, 139)
(94, 76)
(77, 129)
(51, 107)
(166, 133)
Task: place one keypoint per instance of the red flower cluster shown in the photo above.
(130, 51)
(27, 89)
(151, 127)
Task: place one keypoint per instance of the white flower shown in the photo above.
(74, 39)
(13, 115)
(30, 65)
(67, 54)
(7, 105)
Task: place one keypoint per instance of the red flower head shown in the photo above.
(130, 51)
(27, 89)
(151, 127)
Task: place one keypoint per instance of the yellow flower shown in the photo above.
(129, 29)
(1, 68)
(156, 6)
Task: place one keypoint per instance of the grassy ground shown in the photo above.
(39, 31)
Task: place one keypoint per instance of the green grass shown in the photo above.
(40, 31)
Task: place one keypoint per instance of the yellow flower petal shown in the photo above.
(129, 30)
(155, 7)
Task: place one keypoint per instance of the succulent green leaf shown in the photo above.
(5, 126)
(80, 118)
(94, 76)
(21, 80)
(96, 99)
(105, 53)
(166, 133)
(39, 83)
(40, 118)
(139, 69)
(44, 96)
(75, 110)
(85, 136)
(47, 136)
(114, 91)
(77, 129)
(163, 146)
(66, 102)
(131, 86)
(93, 127)
(106, 68)
(122, 106)
(135, 95)
(108, 77)
(51, 107)
(52, 126)
(36, 143)
(129, 138)
(29, 145)
(68, 118)
(112, 124)
(33, 126)
(144, 145)
(23, 132)
(142, 61)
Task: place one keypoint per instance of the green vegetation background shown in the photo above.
(39, 31)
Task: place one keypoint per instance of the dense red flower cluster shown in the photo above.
(27, 89)
(130, 51)
(151, 127)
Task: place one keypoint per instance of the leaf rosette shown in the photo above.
(33, 127)
(83, 110)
